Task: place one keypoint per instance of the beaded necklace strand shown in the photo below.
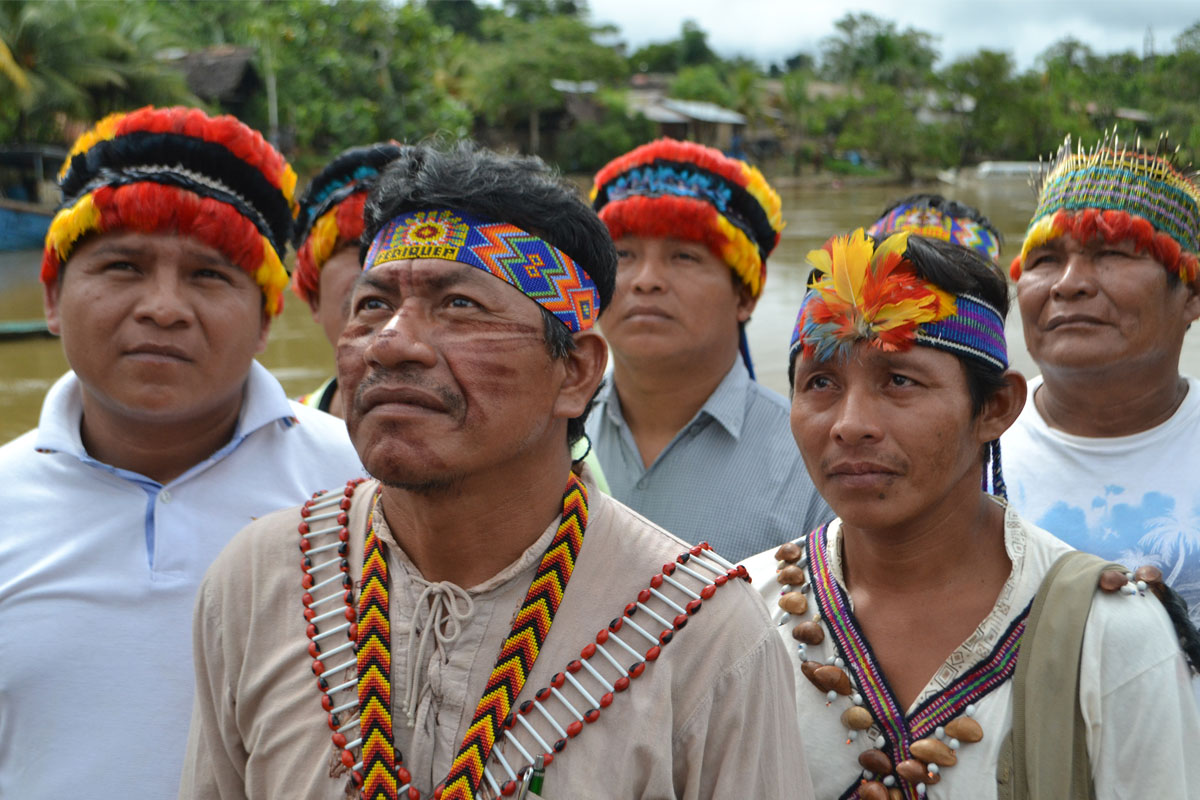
(700, 567)
(909, 752)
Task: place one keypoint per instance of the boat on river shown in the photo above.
(28, 193)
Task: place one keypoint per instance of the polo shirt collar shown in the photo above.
(264, 402)
(726, 404)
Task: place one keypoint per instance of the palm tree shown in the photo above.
(78, 61)
(1177, 531)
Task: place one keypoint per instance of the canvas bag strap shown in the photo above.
(1045, 754)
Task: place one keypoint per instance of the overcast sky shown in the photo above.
(772, 30)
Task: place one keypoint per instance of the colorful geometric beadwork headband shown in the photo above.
(684, 190)
(1138, 195)
(934, 217)
(178, 169)
(534, 266)
(331, 210)
(861, 292)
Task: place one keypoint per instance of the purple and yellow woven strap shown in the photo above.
(976, 329)
(900, 730)
(532, 265)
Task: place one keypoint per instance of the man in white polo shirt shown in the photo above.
(162, 273)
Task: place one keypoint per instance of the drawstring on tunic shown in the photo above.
(436, 623)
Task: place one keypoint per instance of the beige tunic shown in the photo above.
(711, 717)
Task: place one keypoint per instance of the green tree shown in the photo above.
(78, 61)
(689, 50)
(347, 71)
(701, 83)
(508, 81)
(867, 49)
(982, 89)
(882, 123)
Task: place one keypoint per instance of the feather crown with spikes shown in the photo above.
(860, 292)
(1115, 192)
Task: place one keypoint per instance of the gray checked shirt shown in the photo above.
(732, 476)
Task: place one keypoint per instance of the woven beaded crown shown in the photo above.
(669, 188)
(331, 210)
(528, 263)
(1116, 192)
(178, 169)
(935, 217)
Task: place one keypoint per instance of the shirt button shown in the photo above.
(165, 496)
(641, 484)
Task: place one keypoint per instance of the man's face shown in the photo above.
(447, 374)
(158, 327)
(331, 306)
(1096, 305)
(886, 436)
(674, 299)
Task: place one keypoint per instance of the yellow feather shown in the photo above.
(896, 243)
(820, 261)
(70, 224)
(851, 258)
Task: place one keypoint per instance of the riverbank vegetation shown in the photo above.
(539, 76)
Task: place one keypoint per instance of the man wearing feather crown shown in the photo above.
(1105, 451)
(912, 617)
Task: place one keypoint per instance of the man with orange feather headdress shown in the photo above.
(161, 273)
(943, 646)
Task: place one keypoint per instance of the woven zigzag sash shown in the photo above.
(901, 732)
(513, 664)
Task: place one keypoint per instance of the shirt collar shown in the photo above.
(264, 402)
(726, 404)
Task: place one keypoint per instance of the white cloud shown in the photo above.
(772, 30)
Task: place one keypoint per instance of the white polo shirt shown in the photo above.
(98, 572)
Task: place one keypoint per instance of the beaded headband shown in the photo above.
(925, 216)
(178, 169)
(331, 210)
(534, 266)
(1133, 194)
(861, 292)
(669, 188)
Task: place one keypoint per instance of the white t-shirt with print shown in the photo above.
(1132, 499)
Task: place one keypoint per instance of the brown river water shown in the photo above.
(300, 357)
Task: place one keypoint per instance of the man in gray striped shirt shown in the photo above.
(684, 434)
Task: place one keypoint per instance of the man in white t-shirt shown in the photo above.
(1105, 452)
(161, 274)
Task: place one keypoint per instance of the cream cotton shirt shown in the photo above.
(710, 718)
(1142, 726)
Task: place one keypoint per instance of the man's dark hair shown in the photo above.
(520, 190)
(958, 270)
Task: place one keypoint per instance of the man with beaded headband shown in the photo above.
(326, 238)
(684, 433)
(481, 606)
(1107, 286)
(161, 274)
(911, 616)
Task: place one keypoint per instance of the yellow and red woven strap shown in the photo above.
(513, 665)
